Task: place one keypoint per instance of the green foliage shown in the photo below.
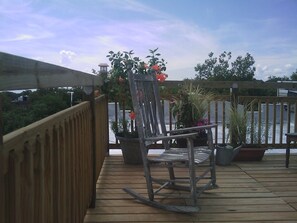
(6, 98)
(155, 60)
(276, 79)
(237, 126)
(15, 118)
(116, 84)
(190, 107)
(40, 104)
(123, 128)
(222, 69)
(294, 76)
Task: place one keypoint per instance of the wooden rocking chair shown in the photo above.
(151, 129)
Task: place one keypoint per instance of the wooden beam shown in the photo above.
(17, 73)
(257, 84)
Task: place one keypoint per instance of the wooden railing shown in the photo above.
(48, 170)
(269, 118)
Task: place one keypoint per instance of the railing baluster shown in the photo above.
(68, 175)
(274, 123)
(259, 122)
(3, 186)
(14, 186)
(266, 121)
(281, 130)
(295, 117)
(216, 120)
(223, 122)
(39, 201)
(27, 184)
(48, 177)
(62, 174)
(253, 119)
(56, 175)
(289, 117)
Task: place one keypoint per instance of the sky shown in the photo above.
(79, 33)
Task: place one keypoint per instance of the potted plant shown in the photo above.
(252, 151)
(116, 87)
(115, 83)
(190, 109)
(128, 137)
(225, 153)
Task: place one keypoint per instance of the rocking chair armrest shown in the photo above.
(189, 129)
(170, 137)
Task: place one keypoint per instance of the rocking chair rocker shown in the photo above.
(151, 129)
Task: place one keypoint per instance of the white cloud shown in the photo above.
(277, 70)
(66, 57)
(288, 65)
(23, 37)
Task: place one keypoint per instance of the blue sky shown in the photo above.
(79, 33)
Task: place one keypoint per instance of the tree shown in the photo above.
(222, 69)
(294, 76)
(41, 103)
(276, 79)
(243, 69)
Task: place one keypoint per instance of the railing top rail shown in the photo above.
(257, 84)
(18, 73)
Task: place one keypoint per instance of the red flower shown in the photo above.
(156, 67)
(132, 115)
(161, 77)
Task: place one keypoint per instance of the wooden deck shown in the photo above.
(248, 192)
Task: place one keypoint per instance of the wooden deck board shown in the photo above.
(248, 192)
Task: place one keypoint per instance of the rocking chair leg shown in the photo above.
(174, 208)
(171, 172)
(213, 171)
(148, 179)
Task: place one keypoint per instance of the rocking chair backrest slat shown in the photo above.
(147, 105)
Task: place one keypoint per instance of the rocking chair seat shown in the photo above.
(201, 154)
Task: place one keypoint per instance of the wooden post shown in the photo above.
(234, 104)
(234, 95)
(107, 125)
(91, 99)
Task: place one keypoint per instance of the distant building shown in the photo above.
(22, 98)
(282, 92)
(103, 68)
